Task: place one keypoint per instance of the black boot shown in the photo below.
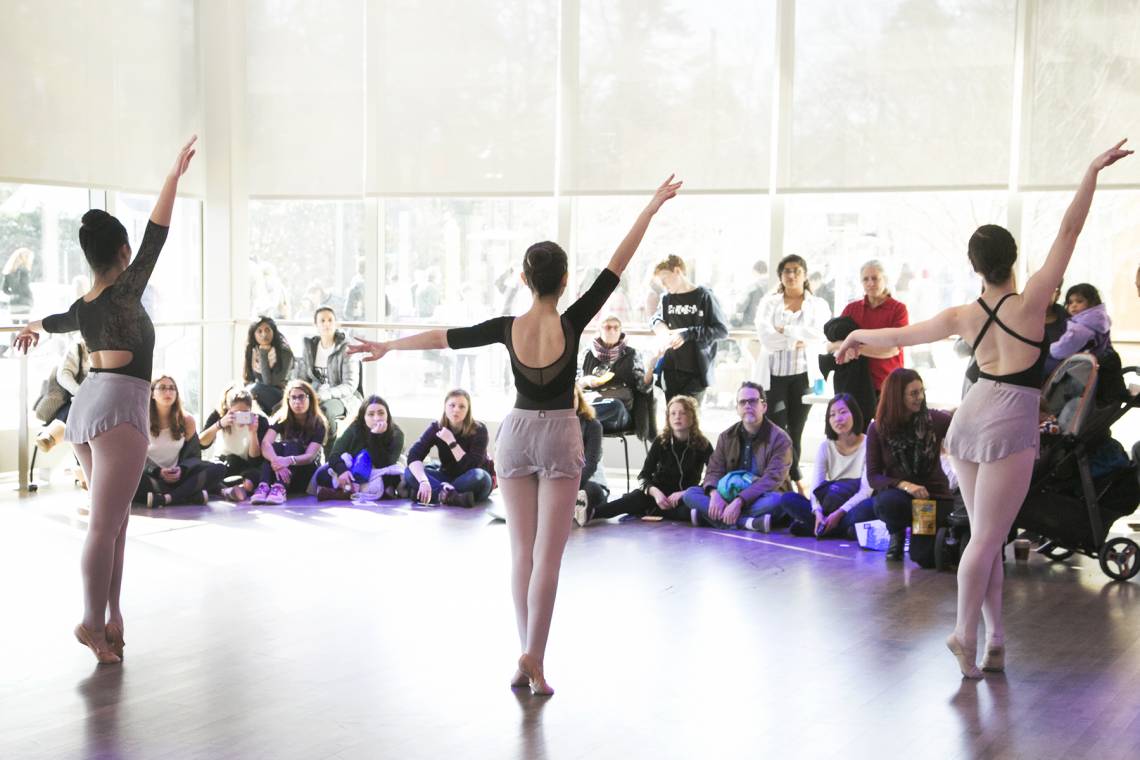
(895, 549)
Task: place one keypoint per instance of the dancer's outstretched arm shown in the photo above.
(164, 206)
(427, 339)
(941, 325)
(628, 246)
(1039, 289)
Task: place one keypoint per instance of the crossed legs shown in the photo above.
(539, 518)
(993, 493)
(113, 463)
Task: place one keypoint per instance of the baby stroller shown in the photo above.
(1083, 481)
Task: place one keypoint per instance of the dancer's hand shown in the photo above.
(26, 340)
(849, 349)
(374, 349)
(182, 163)
(716, 505)
(732, 511)
(423, 494)
(1111, 156)
(666, 191)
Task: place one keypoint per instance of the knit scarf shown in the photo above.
(915, 447)
(607, 355)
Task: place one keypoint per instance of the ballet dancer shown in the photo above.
(539, 449)
(109, 420)
(993, 438)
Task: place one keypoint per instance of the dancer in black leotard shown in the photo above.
(993, 438)
(108, 422)
(539, 451)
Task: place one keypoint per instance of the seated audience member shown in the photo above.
(840, 494)
(174, 472)
(675, 462)
(268, 361)
(70, 373)
(904, 448)
(758, 451)
(613, 369)
(235, 430)
(462, 477)
(1088, 328)
(366, 456)
(593, 488)
(326, 365)
(292, 446)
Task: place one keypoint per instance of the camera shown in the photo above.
(243, 418)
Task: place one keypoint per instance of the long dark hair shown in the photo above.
(279, 344)
(363, 428)
(177, 416)
(856, 415)
(891, 417)
(314, 418)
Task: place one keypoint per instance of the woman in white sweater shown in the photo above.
(789, 322)
(840, 495)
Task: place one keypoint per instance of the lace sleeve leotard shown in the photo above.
(115, 320)
(552, 386)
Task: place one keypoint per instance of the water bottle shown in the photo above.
(818, 388)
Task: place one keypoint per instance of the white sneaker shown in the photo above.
(276, 494)
(695, 517)
(761, 524)
(581, 510)
(261, 495)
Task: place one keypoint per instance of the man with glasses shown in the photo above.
(753, 445)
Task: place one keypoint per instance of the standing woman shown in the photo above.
(789, 321)
(877, 309)
(17, 281)
(268, 362)
(108, 423)
(539, 453)
(994, 436)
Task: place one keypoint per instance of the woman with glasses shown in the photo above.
(175, 473)
(108, 422)
(539, 454)
(292, 446)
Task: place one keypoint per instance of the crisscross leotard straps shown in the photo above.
(1030, 377)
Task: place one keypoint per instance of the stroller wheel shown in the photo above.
(1120, 559)
(1054, 551)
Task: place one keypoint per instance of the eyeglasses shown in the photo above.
(299, 397)
(166, 388)
(749, 402)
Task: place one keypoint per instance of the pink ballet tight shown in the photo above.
(113, 463)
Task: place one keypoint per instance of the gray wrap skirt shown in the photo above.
(994, 421)
(105, 400)
(543, 443)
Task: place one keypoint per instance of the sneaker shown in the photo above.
(234, 493)
(261, 495)
(324, 493)
(155, 500)
(695, 517)
(204, 498)
(276, 494)
(761, 524)
(581, 510)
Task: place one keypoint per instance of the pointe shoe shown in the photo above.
(113, 632)
(519, 680)
(967, 659)
(535, 677)
(994, 659)
(102, 653)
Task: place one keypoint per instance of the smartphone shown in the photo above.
(243, 418)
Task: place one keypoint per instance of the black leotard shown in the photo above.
(552, 386)
(1030, 377)
(115, 319)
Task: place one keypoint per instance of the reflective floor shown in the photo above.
(333, 632)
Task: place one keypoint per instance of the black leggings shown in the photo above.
(787, 409)
(196, 478)
(639, 504)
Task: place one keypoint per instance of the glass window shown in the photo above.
(175, 288)
(178, 353)
(305, 254)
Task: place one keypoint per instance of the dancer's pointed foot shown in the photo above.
(532, 669)
(966, 656)
(994, 659)
(98, 645)
(113, 632)
(519, 680)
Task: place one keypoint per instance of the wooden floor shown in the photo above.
(333, 632)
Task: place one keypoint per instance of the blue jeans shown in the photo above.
(476, 481)
(798, 509)
(893, 506)
(695, 498)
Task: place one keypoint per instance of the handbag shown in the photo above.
(362, 467)
(734, 482)
(52, 398)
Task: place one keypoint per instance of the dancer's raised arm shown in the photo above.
(628, 246)
(1039, 289)
(428, 339)
(164, 206)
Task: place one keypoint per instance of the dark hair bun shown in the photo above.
(544, 266)
(101, 236)
(993, 252)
